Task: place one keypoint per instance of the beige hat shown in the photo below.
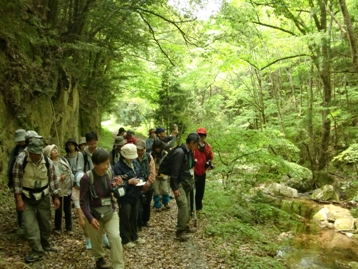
(140, 144)
(48, 149)
(129, 151)
(82, 140)
(119, 141)
(35, 146)
(20, 135)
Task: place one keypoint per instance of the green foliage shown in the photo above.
(106, 139)
(350, 155)
(244, 232)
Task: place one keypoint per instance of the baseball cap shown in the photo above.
(159, 130)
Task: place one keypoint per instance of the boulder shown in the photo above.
(344, 224)
(326, 193)
(277, 189)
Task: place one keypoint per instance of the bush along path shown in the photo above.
(161, 249)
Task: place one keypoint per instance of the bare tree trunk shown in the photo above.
(350, 33)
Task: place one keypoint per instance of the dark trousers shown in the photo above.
(19, 214)
(199, 192)
(144, 209)
(67, 210)
(128, 215)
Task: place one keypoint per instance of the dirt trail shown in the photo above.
(161, 250)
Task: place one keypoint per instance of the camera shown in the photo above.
(209, 164)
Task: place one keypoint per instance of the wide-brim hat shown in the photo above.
(20, 135)
(140, 144)
(35, 146)
(129, 151)
(78, 177)
(82, 140)
(119, 141)
(48, 149)
(130, 132)
(71, 140)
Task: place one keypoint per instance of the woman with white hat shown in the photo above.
(64, 173)
(130, 171)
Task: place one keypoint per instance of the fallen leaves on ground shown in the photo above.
(161, 249)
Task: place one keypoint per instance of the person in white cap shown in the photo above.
(20, 146)
(129, 170)
(64, 174)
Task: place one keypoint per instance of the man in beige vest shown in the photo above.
(35, 181)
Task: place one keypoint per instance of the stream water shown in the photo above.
(313, 247)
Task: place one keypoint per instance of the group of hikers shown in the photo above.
(111, 191)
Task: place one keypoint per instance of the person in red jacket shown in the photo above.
(203, 155)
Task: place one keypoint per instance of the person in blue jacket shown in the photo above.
(129, 169)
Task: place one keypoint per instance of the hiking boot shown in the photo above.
(129, 245)
(101, 264)
(50, 249)
(58, 232)
(88, 245)
(69, 232)
(33, 257)
(140, 241)
(190, 230)
(182, 236)
(158, 209)
(167, 206)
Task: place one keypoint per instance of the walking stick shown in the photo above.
(194, 206)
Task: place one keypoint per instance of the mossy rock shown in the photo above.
(326, 193)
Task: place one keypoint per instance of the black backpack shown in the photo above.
(165, 165)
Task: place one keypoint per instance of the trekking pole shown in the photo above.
(194, 207)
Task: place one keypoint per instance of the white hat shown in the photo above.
(20, 135)
(48, 149)
(129, 151)
(78, 177)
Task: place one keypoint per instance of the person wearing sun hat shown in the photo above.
(64, 174)
(35, 181)
(74, 156)
(115, 153)
(19, 139)
(82, 144)
(129, 170)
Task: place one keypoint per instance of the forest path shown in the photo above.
(161, 250)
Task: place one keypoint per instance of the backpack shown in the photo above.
(165, 165)
(85, 160)
(17, 151)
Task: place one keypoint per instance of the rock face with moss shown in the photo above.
(326, 193)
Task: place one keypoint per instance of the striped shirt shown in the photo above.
(18, 172)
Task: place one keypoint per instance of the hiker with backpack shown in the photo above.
(129, 170)
(204, 156)
(92, 146)
(101, 210)
(115, 153)
(181, 169)
(161, 186)
(65, 176)
(168, 140)
(19, 139)
(148, 168)
(35, 181)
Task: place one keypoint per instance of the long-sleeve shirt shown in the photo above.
(182, 162)
(63, 167)
(202, 155)
(87, 201)
(76, 162)
(18, 172)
